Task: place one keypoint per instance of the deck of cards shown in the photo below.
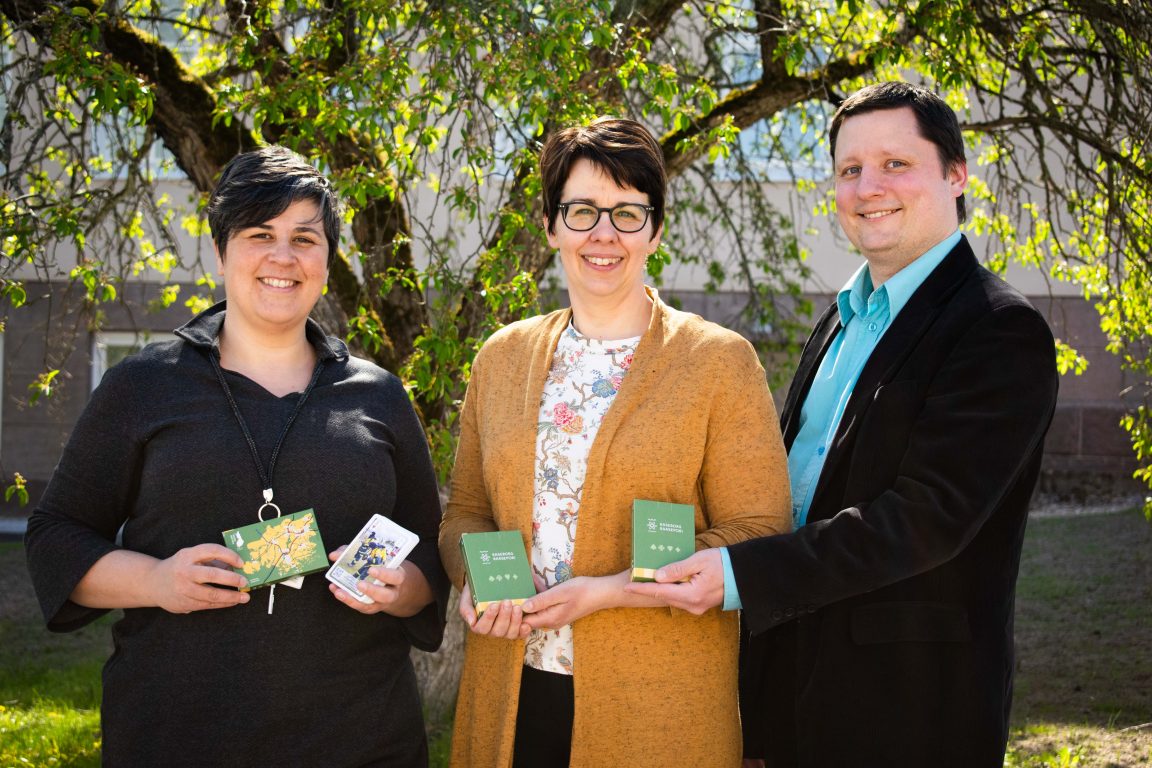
(380, 542)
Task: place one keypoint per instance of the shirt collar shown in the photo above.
(898, 288)
(203, 330)
(855, 293)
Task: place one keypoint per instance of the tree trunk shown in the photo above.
(439, 673)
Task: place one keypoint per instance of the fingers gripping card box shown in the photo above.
(662, 533)
(497, 567)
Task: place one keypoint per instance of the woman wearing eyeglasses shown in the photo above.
(568, 418)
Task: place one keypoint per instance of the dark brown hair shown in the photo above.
(623, 149)
(258, 186)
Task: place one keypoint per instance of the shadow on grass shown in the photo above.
(63, 668)
(1083, 630)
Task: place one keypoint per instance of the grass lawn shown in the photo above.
(1083, 686)
(50, 685)
(1083, 641)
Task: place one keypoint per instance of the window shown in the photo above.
(110, 347)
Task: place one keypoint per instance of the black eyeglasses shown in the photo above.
(626, 217)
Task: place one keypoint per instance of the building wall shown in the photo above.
(1087, 453)
(55, 330)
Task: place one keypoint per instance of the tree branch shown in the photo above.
(184, 106)
(775, 91)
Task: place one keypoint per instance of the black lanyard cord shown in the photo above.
(265, 478)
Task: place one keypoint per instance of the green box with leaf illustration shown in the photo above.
(278, 549)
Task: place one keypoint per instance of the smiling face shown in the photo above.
(893, 198)
(605, 268)
(274, 272)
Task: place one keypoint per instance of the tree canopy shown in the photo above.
(429, 114)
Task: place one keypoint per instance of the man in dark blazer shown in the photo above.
(879, 632)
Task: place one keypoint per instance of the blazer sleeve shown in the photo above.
(743, 480)
(469, 509)
(970, 434)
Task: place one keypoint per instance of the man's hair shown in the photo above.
(934, 118)
(258, 186)
(623, 149)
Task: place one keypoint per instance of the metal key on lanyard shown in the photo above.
(260, 516)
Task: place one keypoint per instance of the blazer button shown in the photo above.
(776, 615)
(790, 612)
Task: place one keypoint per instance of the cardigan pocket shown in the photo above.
(916, 622)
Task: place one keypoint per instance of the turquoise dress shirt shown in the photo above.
(865, 314)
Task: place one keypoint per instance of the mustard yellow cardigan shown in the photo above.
(692, 423)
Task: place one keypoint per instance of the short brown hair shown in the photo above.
(623, 149)
(934, 118)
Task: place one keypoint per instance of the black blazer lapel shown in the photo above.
(898, 343)
(914, 320)
(822, 334)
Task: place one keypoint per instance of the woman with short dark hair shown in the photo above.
(252, 409)
(570, 417)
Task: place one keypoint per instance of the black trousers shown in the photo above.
(543, 720)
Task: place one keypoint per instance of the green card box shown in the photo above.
(278, 549)
(497, 568)
(662, 533)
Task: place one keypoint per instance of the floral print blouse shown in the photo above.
(581, 386)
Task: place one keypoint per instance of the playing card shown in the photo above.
(380, 542)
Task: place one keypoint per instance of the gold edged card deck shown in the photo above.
(662, 533)
(497, 568)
